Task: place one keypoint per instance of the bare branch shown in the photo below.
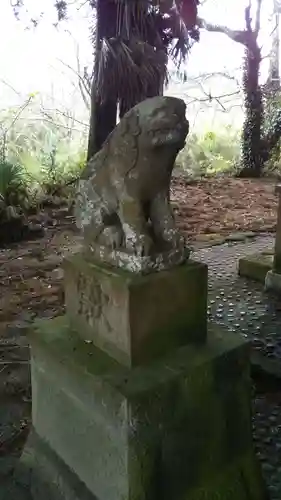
(240, 36)
(210, 98)
(258, 17)
(248, 19)
(207, 76)
(71, 117)
(83, 84)
(10, 87)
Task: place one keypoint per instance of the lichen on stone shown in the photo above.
(122, 204)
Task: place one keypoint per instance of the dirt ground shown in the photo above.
(31, 276)
(223, 206)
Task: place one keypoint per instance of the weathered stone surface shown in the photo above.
(273, 281)
(136, 318)
(256, 266)
(180, 428)
(123, 206)
(41, 474)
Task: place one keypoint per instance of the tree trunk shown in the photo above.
(274, 74)
(153, 91)
(271, 140)
(102, 115)
(251, 134)
(102, 122)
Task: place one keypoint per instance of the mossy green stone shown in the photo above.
(177, 428)
(237, 481)
(277, 262)
(256, 266)
(137, 318)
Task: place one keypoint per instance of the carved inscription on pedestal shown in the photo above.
(102, 310)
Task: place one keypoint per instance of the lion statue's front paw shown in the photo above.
(141, 245)
(174, 237)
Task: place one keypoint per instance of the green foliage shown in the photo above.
(42, 153)
(60, 169)
(13, 185)
(214, 152)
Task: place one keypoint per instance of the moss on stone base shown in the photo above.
(256, 266)
(178, 428)
(236, 482)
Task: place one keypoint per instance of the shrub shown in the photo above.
(46, 148)
(210, 153)
(13, 185)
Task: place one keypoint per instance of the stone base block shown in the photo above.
(256, 266)
(180, 428)
(43, 475)
(272, 282)
(136, 318)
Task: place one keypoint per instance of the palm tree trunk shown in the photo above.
(154, 90)
(102, 115)
(102, 122)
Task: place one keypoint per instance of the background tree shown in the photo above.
(258, 139)
(133, 41)
(271, 89)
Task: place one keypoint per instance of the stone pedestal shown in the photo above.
(122, 413)
(273, 277)
(266, 266)
(136, 318)
(273, 281)
(179, 428)
(256, 266)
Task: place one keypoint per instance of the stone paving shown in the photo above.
(241, 305)
(238, 304)
(267, 437)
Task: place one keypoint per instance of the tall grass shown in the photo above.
(43, 151)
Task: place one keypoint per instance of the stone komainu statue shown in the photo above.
(122, 203)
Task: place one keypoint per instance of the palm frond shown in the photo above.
(135, 38)
(127, 71)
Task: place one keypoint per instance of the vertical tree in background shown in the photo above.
(274, 73)
(260, 134)
(253, 103)
(271, 89)
(133, 40)
(103, 107)
(255, 147)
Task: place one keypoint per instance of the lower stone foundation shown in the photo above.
(179, 428)
(273, 282)
(256, 266)
(50, 478)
